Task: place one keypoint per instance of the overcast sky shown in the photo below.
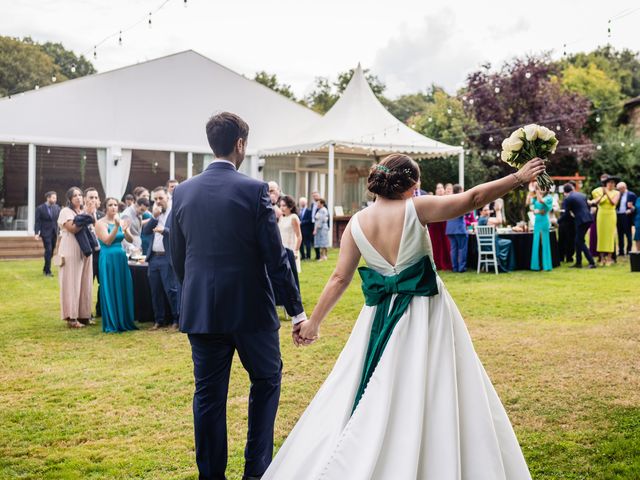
(409, 44)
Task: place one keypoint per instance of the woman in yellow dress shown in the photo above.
(606, 198)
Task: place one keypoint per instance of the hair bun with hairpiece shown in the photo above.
(393, 176)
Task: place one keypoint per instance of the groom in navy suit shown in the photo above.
(228, 255)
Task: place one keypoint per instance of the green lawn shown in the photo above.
(562, 348)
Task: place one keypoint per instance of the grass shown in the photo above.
(562, 349)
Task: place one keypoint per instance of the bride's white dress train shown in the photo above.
(429, 410)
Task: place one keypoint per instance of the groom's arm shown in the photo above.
(177, 242)
(274, 255)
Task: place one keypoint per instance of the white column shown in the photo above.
(461, 168)
(253, 166)
(172, 165)
(189, 165)
(331, 193)
(31, 200)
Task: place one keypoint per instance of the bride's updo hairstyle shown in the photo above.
(393, 176)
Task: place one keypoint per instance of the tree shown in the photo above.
(70, 64)
(623, 66)
(603, 93)
(524, 91)
(406, 106)
(271, 81)
(23, 66)
(618, 155)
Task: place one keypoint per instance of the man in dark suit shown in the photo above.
(162, 278)
(46, 228)
(575, 204)
(624, 216)
(306, 226)
(566, 234)
(228, 255)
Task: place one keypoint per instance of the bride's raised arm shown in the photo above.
(432, 208)
(340, 279)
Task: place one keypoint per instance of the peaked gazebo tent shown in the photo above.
(137, 125)
(358, 125)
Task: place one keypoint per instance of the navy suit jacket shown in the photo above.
(227, 253)
(148, 230)
(45, 225)
(306, 220)
(631, 198)
(576, 203)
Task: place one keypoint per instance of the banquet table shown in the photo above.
(143, 308)
(522, 243)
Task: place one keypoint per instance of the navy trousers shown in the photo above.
(163, 281)
(49, 243)
(623, 225)
(581, 247)
(459, 243)
(212, 355)
(307, 243)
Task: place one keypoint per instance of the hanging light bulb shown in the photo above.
(609, 29)
(564, 49)
(497, 89)
(598, 119)
(73, 68)
(37, 87)
(464, 99)
(471, 101)
(95, 53)
(527, 75)
(462, 143)
(622, 144)
(149, 19)
(54, 78)
(185, 3)
(430, 119)
(48, 151)
(449, 111)
(120, 38)
(599, 147)
(490, 139)
(558, 128)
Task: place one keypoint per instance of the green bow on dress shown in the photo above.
(417, 280)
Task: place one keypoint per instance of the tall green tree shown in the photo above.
(406, 106)
(621, 65)
(23, 65)
(271, 81)
(71, 65)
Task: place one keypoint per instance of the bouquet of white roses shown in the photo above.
(527, 143)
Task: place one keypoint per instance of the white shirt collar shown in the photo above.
(220, 160)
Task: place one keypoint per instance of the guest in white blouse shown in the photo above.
(289, 225)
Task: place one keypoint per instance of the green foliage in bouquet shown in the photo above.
(527, 143)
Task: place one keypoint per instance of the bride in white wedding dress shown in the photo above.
(408, 397)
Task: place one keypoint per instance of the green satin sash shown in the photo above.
(417, 280)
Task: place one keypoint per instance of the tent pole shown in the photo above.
(189, 164)
(461, 168)
(31, 198)
(172, 165)
(331, 192)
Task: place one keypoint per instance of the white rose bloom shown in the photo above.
(512, 144)
(554, 144)
(545, 134)
(531, 132)
(518, 134)
(505, 155)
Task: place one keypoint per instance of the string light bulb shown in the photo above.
(120, 38)
(558, 128)
(497, 89)
(95, 53)
(37, 87)
(598, 119)
(73, 68)
(622, 144)
(471, 101)
(430, 119)
(449, 111)
(564, 49)
(490, 139)
(599, 147)
(527, 75)
(54, 78)
(185, 3)
(149, 19)
(609, 29)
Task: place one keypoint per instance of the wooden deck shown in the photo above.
(20, 247)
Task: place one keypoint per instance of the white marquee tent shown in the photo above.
(359, 123)
(162, 105)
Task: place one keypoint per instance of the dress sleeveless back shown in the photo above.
(428, 411)
(414, 244)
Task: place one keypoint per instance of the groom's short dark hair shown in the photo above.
(223, 132)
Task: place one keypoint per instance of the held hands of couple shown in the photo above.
(305, 333)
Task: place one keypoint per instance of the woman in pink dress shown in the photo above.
(76, 271)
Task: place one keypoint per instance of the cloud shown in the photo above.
(435, 53)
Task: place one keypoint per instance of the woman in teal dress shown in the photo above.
(542, 203)
(116, 285)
